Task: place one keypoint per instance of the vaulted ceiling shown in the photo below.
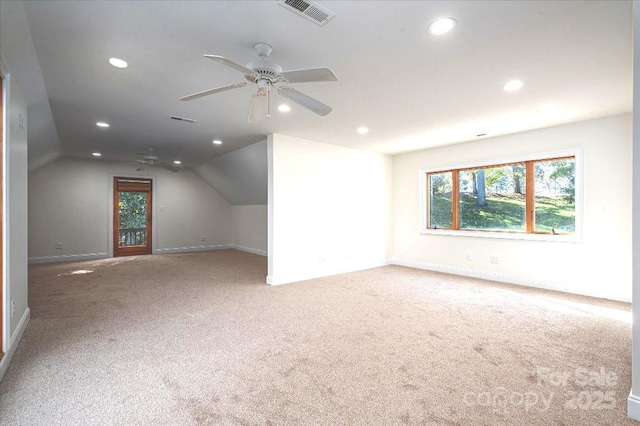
(412, 90)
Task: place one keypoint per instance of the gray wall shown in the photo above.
(15, 310)
(71, 203)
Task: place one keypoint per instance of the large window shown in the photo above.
(527, 197)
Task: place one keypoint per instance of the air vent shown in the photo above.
(309, 10)
(188, 120)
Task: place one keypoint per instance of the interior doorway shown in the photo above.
(132, 202)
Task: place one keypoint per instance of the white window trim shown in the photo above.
(576, 237)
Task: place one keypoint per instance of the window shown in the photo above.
(527, 197)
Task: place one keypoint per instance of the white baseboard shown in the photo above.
(91, 256)
(289, 279)
(190, 249)
(504, 278)
(67, 258)
(248, 250)
(13, 342)
(633, 407)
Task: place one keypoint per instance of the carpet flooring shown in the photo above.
(199, 339)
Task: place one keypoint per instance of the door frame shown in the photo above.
(154, 207)
(4, 298)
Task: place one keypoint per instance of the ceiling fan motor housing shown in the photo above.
(267, 70)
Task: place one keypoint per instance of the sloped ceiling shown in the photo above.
(17, 49)
(240, 176)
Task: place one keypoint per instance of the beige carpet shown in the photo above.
(190, 339)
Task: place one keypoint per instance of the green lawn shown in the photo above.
(504, 213)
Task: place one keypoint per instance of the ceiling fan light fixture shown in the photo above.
(441, 26)
(259, 106)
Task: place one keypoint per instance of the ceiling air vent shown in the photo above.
(309, 10)
(188, 120)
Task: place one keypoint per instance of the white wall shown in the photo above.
(71, 199)
(329, 209)
(249, 228)
(598, 266)
(15, 217)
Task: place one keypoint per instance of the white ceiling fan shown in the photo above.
(265, 75)
(148, 158)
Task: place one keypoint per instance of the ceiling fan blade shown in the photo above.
(259, 107)
(170, 167)
(236, 66)
(305, 100)
(212, 91)
(310, 75)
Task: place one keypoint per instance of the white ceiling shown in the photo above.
(412, 90)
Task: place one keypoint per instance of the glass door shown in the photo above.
(131, 216)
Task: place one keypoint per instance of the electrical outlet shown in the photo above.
(493, 259)
(468, 256)
(13, 308)
(59, 246)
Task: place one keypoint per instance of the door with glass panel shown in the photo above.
(132, 201)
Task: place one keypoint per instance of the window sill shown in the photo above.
(574, 238)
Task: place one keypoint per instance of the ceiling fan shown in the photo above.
(148, 158)
(266, 75)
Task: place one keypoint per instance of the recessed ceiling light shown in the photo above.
(512, 85)
(441, 26)
(177, 162)
(217, 142)
(363, 130)
(118, 63)
(96, 154)
(102, 124)
(284, 108)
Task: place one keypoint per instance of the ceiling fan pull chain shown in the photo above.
(268, 102)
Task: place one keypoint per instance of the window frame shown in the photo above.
(576, 236)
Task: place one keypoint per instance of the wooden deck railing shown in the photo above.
(132, 237)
